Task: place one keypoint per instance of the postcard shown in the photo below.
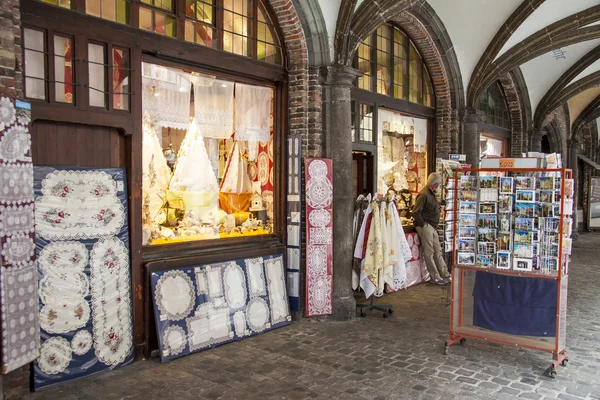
(525, 196)
(488, 208)
(503, 259)
(506, 185)
(466, 258)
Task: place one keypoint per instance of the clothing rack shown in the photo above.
(385, 308)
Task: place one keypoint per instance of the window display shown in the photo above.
(402, 153)
(207, 156)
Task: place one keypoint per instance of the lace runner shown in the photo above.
(252, 113)
(167, 101)
(213, 107)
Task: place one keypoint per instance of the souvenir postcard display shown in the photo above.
(445, 195)
(513, 222)
(200, 307)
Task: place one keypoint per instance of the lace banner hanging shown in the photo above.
(166, 96)
(420, 135)
(252, 112)
(213, 107)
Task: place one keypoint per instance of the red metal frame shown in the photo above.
(558, 355)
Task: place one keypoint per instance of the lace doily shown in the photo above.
(111, 301)
(174, 295)
(256, 277)
(15, 183)
(278, 299)
(321, 235)
(15, 144)
(16, 219)
(82, 342)
(18, 249)
(235, 286)
(7, 113)
(239, 323)
(56, 288)
(59, 258)
(66, 316)
(83, 185)
(319, 192)
(317, 169)
(317, 258)
(257, 314)
(215, 283)
(320, 295)
(208, 328)
(319, 218)
(174, 340)
(55, 355)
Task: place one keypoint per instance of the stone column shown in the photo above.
(337, 84)
(470, 139)
(572, 163)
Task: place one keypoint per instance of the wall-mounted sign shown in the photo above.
(457, 157)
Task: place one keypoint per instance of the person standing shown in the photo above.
(426, 214)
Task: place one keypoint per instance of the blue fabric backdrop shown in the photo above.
(515, 305)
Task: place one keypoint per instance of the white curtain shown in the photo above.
(213, 107)
(420, 136)
(166, 96)
(252, 113)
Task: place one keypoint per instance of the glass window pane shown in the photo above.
(121, 79)
(60, 3)
(366, 123)
(109, 10)
(93, 7)
(97, 75)
(146, 19)
(364, 64)
(384, 55)
(63, 69)
(35, 66)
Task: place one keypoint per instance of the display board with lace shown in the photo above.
(82, 246)
(207, 157)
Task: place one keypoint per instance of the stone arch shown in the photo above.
(315, 31)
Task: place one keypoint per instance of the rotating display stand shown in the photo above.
(511, 257)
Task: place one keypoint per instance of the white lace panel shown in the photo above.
(213, 106)
(252, 112)
(420, 135)
(236, 178)
(167, 101)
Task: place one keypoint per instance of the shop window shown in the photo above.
(112, 10)
(121, 76)
(493, 104)
(416, 76)
(267, 47)
(200, 17)
(400, 70)
(189, 124)
(401, 153)
(35, 63)
(97, 75)
(400, 65)
(384, 60)
(63, 69)
(60, 3)
(158, 17)
(366, 123)
(236, 27)
(364, 64)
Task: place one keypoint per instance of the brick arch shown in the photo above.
(298, 76)
(519, 108)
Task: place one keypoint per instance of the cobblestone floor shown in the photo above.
(400, 357)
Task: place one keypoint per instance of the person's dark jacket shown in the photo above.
(426, 209)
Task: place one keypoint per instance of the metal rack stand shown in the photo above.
(385, 308)
(460, 329)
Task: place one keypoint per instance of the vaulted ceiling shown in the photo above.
(552, 42)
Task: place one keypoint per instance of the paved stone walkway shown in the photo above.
(400, 357)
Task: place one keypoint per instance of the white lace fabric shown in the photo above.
(213, 107)
(252, 112)
(166, 97)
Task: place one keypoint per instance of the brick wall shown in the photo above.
(519, 140)
(11, 59)
(446, 126)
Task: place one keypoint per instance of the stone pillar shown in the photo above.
(470, 139)
(572, 163)
(337, 84)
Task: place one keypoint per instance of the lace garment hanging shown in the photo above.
(166, 96)
(156, 172)
(213, 107)
(236, 178)
(420, 137)
(252, 112)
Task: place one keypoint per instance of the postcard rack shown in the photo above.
(511, 252)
